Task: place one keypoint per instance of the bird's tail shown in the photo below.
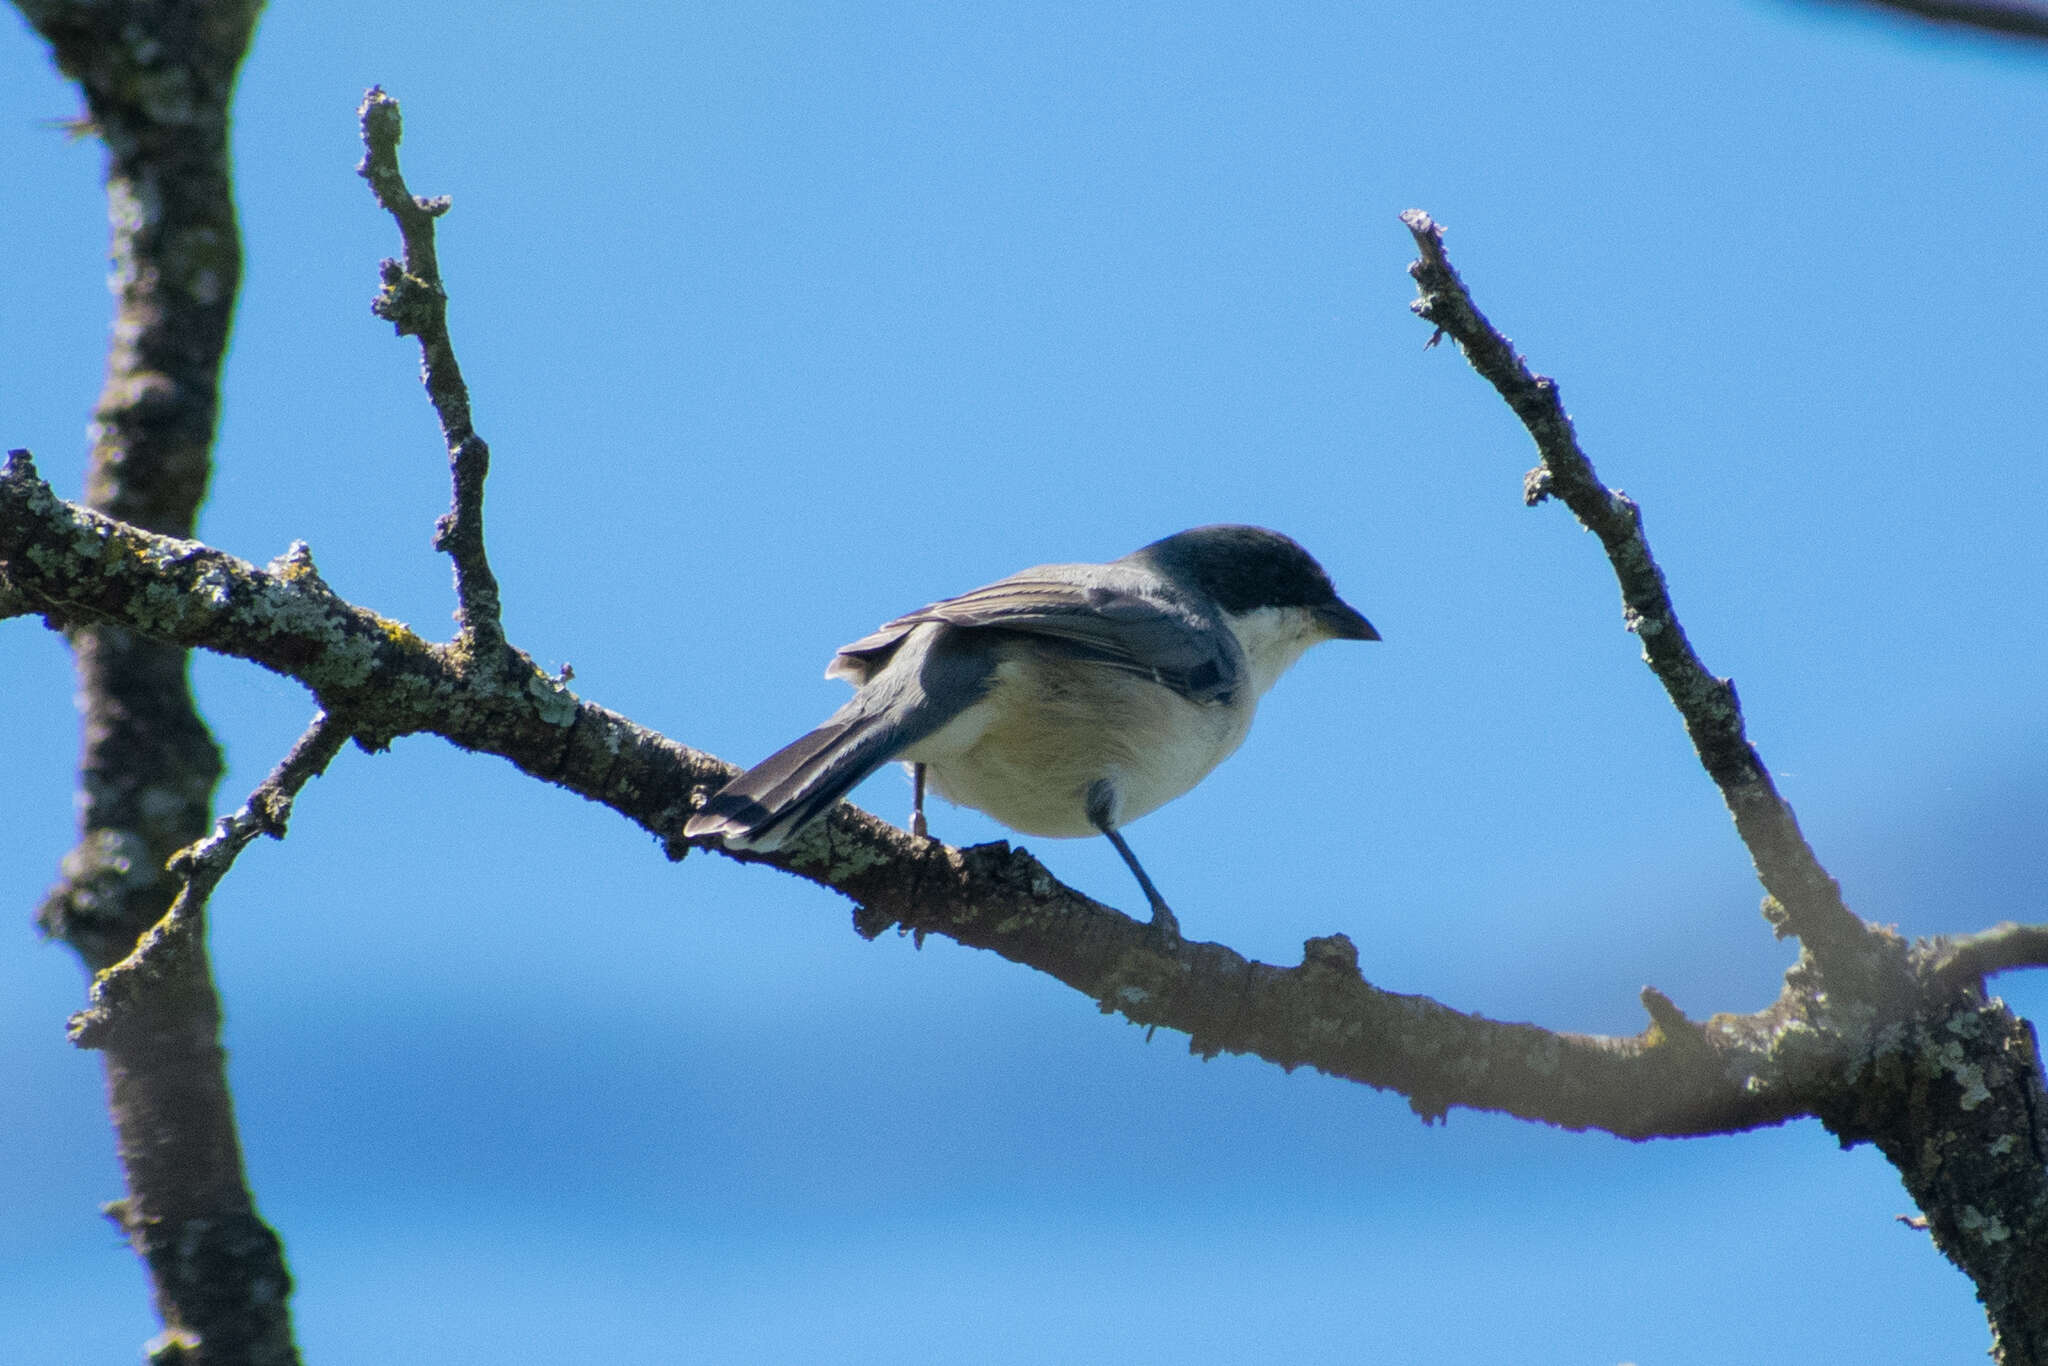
(766, 806)
(928, 679)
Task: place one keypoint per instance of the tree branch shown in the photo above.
(414, 301)
(1737, 1073)
(121, 993)
(222, 1285)
(158, 78)
(1905, 1055)
(1803, 899)
(1968, 959)
(2006, 18)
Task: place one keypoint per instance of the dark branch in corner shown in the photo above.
(414, 301)
(2005, 18)
(1808, 898)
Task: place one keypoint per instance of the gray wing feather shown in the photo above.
(1090, 611)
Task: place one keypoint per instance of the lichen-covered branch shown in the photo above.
(123, 994)
(1730, 1073)
(414, 301)
(224, 1289)
(157, 78)
(12, 604)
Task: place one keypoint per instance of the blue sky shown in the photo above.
(782, 320)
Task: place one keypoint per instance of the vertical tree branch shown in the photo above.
(157, 76)
(219, 1270)
(158, 79)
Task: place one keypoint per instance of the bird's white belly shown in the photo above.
(1028, 754)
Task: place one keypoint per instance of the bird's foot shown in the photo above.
(1164, 929)
(917, 825)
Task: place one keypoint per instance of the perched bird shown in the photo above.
(1066, 700)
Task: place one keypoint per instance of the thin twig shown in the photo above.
(414, 301)
(201, 866)
(1811, 902)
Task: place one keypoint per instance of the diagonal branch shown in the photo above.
(1804, 900)
(222, 1286)
(124, 988)
(414, 301)
(1736, 1073)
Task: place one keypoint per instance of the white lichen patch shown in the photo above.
(215, 586)
(1988, 1227)
(1975, 1092)
(553, 703)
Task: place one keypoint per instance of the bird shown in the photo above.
(1066, 700)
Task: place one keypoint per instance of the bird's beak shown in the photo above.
(1343, 622)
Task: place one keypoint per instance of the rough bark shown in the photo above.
(1907, 1052)
(1885, 1041)
(157, 78)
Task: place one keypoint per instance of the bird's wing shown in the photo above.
(1092, 615)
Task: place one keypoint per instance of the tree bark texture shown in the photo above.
(157, 78)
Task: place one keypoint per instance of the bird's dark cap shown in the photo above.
(1247, 567)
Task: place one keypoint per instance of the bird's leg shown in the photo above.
(917, 825)
(1101, 805)
(1164, 927)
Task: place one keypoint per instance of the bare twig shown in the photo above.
(200, 868)
(414, 301)
(1947, 1084)
(1801, 891)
